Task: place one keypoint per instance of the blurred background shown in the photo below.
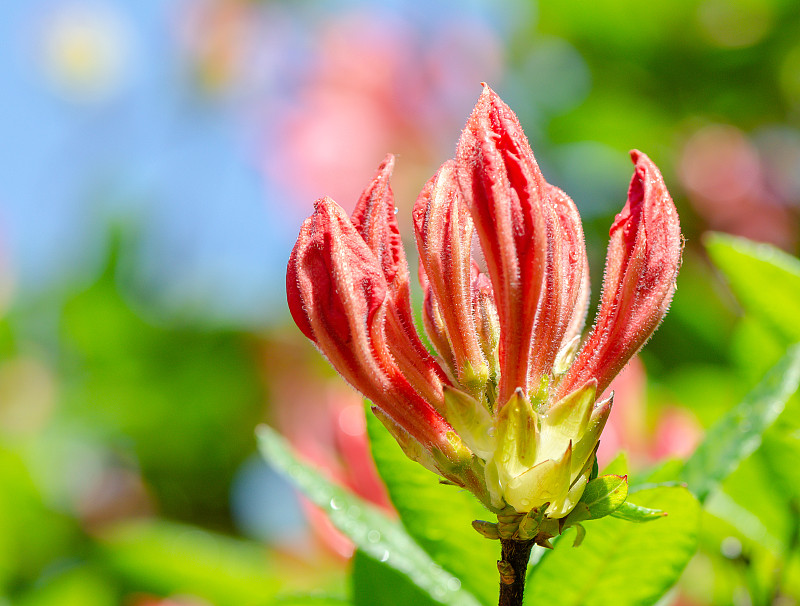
(156, 161)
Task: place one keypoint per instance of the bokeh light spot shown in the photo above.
(735, 23)
(85, 50)
(351, 420)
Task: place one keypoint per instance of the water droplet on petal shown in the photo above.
(335, 505)
(454, 584)
(373, 536)
(385, 555)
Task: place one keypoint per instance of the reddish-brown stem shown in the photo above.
(512, 567)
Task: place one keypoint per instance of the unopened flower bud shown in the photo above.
(443, 230)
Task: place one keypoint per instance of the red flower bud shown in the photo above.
(444, 236)
(434, 324)
(501, 181)
(375, 220)
(564, 277)
(487, 323)
(507, 338)
(338, 295)
(644, 255)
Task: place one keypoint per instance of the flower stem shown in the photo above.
(512, 569)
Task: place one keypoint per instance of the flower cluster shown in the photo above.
(509, 406)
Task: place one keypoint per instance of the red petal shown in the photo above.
(374, 219)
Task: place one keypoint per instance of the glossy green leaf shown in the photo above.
(602, 496)
(751, 502)
(605, 494)
(759, 497)
(781, 451)
(618, 562)
(738, 434)
(369, 528)
(376, 584)
(437, 516)
(765, 279)
(636, 513)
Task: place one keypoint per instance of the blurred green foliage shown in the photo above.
(151, 391)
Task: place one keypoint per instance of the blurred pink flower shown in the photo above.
(324, 420)
(374, 84)
(321, 99)
(728, 186)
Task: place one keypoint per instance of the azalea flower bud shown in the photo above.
(338, 295)
(644, 255)
(443, 230)
(502, 183)
(375, 220)
(562, 309)
(513, 413)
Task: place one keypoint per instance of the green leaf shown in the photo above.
(759, 497)
(77, 585)
(438, 517)
(580, 534)
(765, 279)
(738, 434)
(376, 584)
(781, 451)
(605, 494)
(636, 513)
(369, 528)
(618, 562)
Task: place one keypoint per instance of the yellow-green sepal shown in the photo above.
(548, 481)
(471, 420)
(568, 419)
